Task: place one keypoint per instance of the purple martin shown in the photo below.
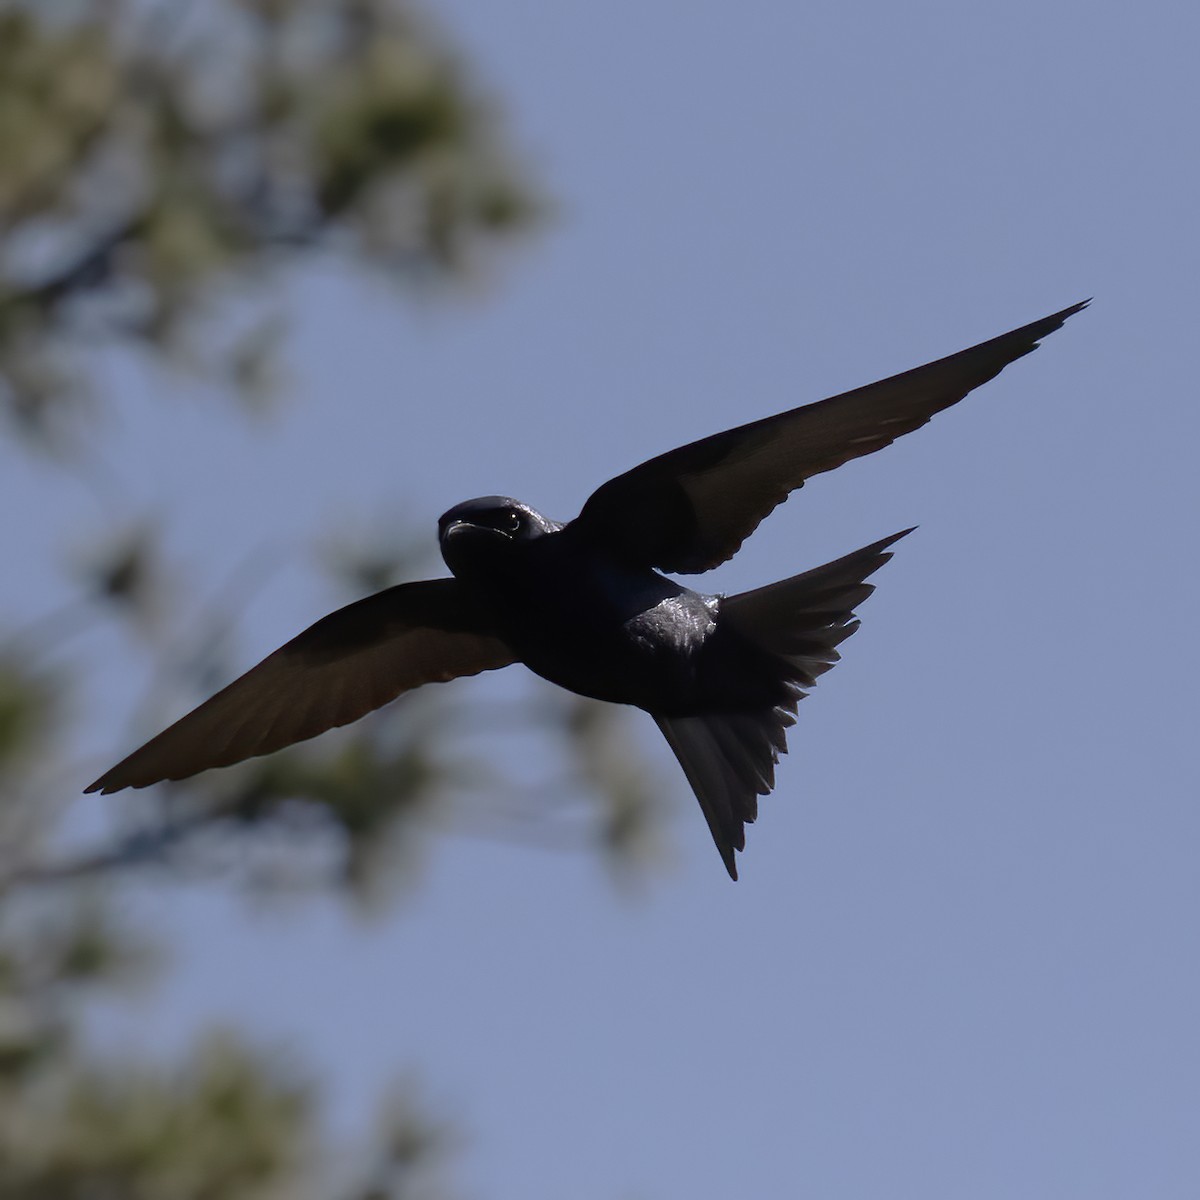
(584, 605)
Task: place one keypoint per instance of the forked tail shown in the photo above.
(729, 757)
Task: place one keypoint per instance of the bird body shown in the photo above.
(578, 616)
(585, 605)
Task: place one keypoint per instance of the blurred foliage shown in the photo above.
(228, 1122)
(153, 153)
(26, 709)
(163, 165)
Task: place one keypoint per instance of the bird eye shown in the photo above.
(512, 521)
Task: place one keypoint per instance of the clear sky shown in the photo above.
(963, 959)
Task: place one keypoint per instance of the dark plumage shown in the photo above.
(584, 606)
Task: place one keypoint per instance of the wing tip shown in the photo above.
(111, 782)
(1048, 325)
(105, 784)
(883, 543)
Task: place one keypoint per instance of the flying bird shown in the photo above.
(589, 606)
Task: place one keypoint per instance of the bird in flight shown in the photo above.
(585, 604)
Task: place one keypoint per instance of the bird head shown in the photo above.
(478, 531)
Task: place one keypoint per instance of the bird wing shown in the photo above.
(691, 508)
(347, 664)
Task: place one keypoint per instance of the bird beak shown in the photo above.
(453, 527)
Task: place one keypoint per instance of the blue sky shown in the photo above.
(962, 959)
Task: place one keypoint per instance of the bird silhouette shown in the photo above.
(584, 605)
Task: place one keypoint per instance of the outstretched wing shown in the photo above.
(691, 508)
(348, 663)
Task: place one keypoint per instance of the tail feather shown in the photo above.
(729, 757)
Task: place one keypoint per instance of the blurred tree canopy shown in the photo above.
(156, 156)
(162, 164)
